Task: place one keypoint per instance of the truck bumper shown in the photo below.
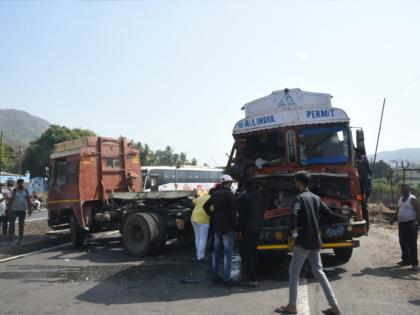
(289, 247)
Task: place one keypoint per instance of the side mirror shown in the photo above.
(360, 141)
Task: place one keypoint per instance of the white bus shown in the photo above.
(164, 178)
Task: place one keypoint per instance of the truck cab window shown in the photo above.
(324, 145)
(72, 173)
(112, 163)
(60, 167)
(267, 145)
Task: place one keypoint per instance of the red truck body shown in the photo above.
(85, 171)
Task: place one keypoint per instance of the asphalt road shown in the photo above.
(38, 215)
(103, 279)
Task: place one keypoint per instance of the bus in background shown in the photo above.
(187, 178)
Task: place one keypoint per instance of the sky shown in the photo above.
(177, 73)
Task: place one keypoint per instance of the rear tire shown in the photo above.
(77, 234)
(160, 241)
(343, 254)
(139, 232)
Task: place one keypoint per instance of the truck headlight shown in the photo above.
(345, 209)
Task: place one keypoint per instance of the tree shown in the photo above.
(37, 155)
(382, 169)
(147, 156)
(166, 156)
(8, 159)
(162, 157)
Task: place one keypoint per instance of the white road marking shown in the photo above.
(34, 252)
(34, 220)
(303, 298)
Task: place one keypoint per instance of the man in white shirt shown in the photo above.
(408, 215)
(4, 219)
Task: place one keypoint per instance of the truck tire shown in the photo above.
(77, 234)
(343, 254)
(139, 233)
(186, 237)
(160, 241)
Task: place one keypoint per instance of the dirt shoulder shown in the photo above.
(37, 235)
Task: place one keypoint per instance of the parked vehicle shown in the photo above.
(294, 130)
(164, 178)
(96, 185)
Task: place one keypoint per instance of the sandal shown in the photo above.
(283, 310)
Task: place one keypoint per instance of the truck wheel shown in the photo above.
(186, 237)
(343, 254)
(161, 233)
(77, 234)
(138, 233)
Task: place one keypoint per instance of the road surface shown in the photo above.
(103, 279)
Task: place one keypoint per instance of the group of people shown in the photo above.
(15, 202)
(225, 214)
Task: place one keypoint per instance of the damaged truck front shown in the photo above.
(294, 130)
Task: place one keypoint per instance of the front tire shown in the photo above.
(343, 254)
(77, 234)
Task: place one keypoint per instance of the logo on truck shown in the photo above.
(286, 101)
(320, 113)
(257, 121)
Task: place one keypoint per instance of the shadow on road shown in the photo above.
(389, 272)
(415, 302)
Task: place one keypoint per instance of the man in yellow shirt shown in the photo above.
(201, 223)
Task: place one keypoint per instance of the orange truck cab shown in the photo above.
(292, 130)
(95, 185)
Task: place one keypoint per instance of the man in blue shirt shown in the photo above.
(20, 201)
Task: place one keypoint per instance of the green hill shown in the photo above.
(19, 128)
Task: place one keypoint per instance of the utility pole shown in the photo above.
(20, 160)
(379, 135)
(392, 188)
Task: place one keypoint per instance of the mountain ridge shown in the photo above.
(405, 154)
(20, 127)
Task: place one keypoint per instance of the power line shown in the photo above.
(404, 86)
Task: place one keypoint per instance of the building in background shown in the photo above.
(5, 177)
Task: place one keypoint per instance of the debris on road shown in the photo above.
(378, 212)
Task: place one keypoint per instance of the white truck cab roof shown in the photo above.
(289, 107)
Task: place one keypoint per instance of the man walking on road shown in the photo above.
(4, 220)
(408, 214)
(250, 205)
(304, 228)
(223, 201)
(20, 201)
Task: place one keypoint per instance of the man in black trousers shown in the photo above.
(250, 204)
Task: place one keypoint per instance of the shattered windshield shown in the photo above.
(324, 145)
(268, 146)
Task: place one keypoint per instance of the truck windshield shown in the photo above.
(324, 145)
(268, 146)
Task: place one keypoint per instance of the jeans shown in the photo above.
(4, 221)
(299, 257)
(249, 253)
(13, 215)
(223, 242)
(408, 232)
(201, 233)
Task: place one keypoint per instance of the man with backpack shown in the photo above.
(19, 202)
